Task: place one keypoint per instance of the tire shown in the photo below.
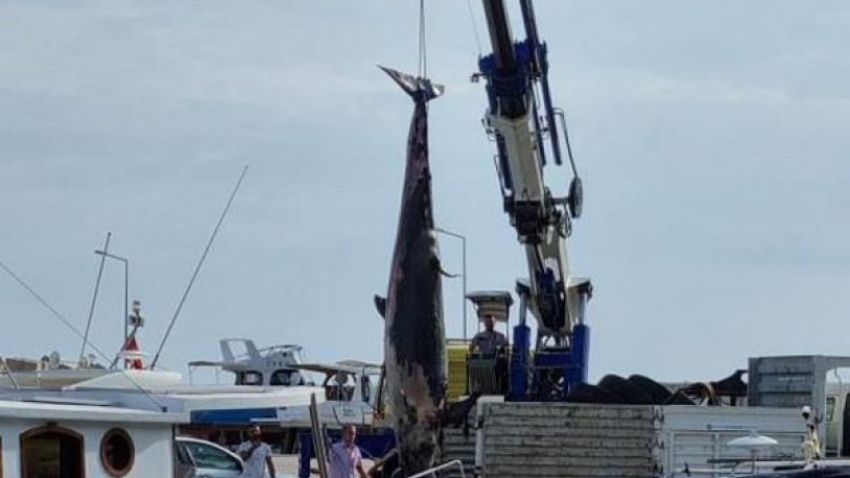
(659, 393)
(628, 392)
(587, 393)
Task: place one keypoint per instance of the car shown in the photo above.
(196, 458)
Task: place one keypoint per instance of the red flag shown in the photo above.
(133, 358)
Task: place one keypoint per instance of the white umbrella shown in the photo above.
(753, 440)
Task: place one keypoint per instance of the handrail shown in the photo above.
(448, 464)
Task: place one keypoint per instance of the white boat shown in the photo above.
(145, 389)
(276, 365)
(48, 372)
(351, 393)
(346, 394)
(52, 372)
(93, 433)
(85, 437)
(130, 421)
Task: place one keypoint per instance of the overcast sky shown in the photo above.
(710, 136)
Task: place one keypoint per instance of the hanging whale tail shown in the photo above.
(418, 88)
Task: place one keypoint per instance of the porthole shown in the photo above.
(117, 452)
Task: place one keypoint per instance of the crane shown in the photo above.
(520, 118)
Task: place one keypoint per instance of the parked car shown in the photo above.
(196, 458)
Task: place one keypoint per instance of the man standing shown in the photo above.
(488, 341)
(811, 445)
(255, 455)
(345, 457)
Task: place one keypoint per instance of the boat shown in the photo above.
(347, 394)
(211, 410)
(93, 437)
(48, 372)
(351, 396)
(52, 372)
(348, 387)
(276, 365)
(111, 432)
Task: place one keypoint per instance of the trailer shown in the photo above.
(566, 440)
(785, 396)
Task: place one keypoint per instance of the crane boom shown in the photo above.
(516, 77)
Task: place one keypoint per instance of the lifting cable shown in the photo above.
(474, 27)
(423, 54)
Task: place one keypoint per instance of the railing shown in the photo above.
(445, 465)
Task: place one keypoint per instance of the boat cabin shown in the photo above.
(269, 366)
(283, 365)
(84, 439)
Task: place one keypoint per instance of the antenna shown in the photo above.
(198, 267)
(94, 297)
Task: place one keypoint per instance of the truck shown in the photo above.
(529, 421)
(785, 394)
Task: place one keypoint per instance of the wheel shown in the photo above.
(587, 393)
(627, 391)
(657, 392)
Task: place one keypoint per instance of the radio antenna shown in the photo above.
(198, 267)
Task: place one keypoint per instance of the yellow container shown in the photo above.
(456, 374)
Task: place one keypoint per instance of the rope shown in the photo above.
(423, 57)
(474, 26)
(50, 308)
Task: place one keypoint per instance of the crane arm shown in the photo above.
(516, 76)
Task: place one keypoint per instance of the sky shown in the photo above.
(709, 136)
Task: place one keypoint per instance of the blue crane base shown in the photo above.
(376, 443)
(549, 374)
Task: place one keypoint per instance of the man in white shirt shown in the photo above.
(255, 455)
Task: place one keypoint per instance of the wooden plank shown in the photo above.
(567, 449)
(560, 423)
(559, 410)
(564, 461)
(318, 438)
(574, 430)
(572, 433)
(513, 471)
(557, 443)
(550, 440)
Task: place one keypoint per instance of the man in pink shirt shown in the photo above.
(344, 456)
